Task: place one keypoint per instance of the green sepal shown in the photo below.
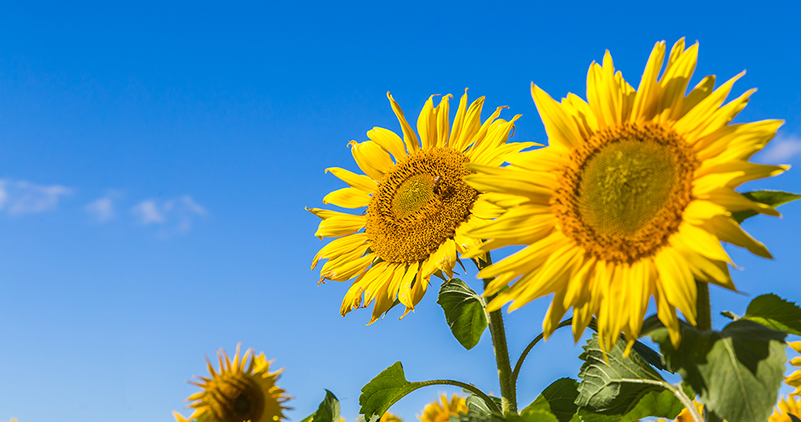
(774, 312)
(464, 312)
(736, 371)
(773, 198)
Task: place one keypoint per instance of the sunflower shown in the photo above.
(786, 407)
(390, 417)
(441, 412)
(243, 390)
(794, 380)
(418, 205)
(685, 415)
(631, 198)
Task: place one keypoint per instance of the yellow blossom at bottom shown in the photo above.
(786, 407)
(441, 412)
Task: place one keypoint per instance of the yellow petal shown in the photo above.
(649, 90)
(371, 158)
(347, 198)
(678, 282)
(388, 140)
(698, 117)
(443, 123)
(560, 127)
(427, 124)
(409, 137)
(358, 181)
(728, 230)
(340, 225)
(675, 80)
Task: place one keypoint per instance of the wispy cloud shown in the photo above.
(103, 209)
(173, 215)
(781, 150)
(19, 197)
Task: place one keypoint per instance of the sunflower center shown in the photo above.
(626, 192)
(236, 399)
(413, 194)
(418, 205)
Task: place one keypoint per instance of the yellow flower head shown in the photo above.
(440, 411)
(243, 390)
(794, 380)
(630, 200)
(786, 407)
(389, 417)
(418, 205)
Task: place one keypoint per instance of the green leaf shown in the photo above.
(558, 398)
(770, 197)
(533, 415)
(476, 404)
(328, 411)
(464, 311)
(660, 404)
(604, 387)
(385, 390)
(736, 371)
(774, 312)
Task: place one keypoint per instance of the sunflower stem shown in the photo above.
(499, 344)
(704, 323)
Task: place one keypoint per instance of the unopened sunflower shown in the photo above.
(243, 390)
(786, 407)
(631, 198)
(441, 411)
(418, 204)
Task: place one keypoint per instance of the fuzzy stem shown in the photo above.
(508, 388)
(704, 323)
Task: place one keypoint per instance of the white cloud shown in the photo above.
(19, 197)
(173, 215)
(102, 210)
(781, 150)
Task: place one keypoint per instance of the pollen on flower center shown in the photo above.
(626, 191)
(413, 195)
(419, 204)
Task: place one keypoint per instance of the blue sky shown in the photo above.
(155, 160)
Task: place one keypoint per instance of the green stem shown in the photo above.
(498, 332)
(469, 387)
(516, 371)
(703, 309)
(704, 323)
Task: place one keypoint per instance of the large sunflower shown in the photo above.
(418, 206)
(243, 390)
(630, 199)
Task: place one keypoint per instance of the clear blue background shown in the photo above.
(204, 128)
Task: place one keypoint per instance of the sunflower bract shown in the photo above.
(630, 200)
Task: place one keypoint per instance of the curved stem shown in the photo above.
(676, 390)
(472, 388)
(498, 332)
(519, 364)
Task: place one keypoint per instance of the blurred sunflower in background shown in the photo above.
(418, 204)
(631, 198)
(786, 407)
(794, 380)
(242, 390)
(440, 411)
